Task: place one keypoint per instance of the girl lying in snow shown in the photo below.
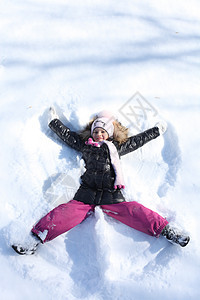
(101, 143)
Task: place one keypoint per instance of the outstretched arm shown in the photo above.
(137, 141)
(71, 138)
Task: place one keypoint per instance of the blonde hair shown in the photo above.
(120, 134)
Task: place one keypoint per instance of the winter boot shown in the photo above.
(30, 247)
(174, 236)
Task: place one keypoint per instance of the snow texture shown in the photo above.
(139, 59)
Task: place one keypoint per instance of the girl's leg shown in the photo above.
(61, 219)
(136, 216)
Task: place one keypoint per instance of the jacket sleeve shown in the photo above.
(71, 138)
(137, 141)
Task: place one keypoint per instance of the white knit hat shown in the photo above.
(105, 121)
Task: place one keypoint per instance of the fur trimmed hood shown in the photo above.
(120, 134)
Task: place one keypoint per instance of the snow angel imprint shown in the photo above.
(103, 141)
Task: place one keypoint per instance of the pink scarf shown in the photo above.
(119, 180)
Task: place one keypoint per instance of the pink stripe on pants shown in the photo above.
(68, 215)
(136, 216)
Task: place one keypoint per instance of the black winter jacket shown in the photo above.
(97, 183)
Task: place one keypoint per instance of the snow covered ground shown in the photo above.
(85, 56)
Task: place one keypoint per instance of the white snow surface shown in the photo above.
(82, 57)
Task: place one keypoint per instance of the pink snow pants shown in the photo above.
(68, 215)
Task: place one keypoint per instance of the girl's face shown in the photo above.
(99, 134)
